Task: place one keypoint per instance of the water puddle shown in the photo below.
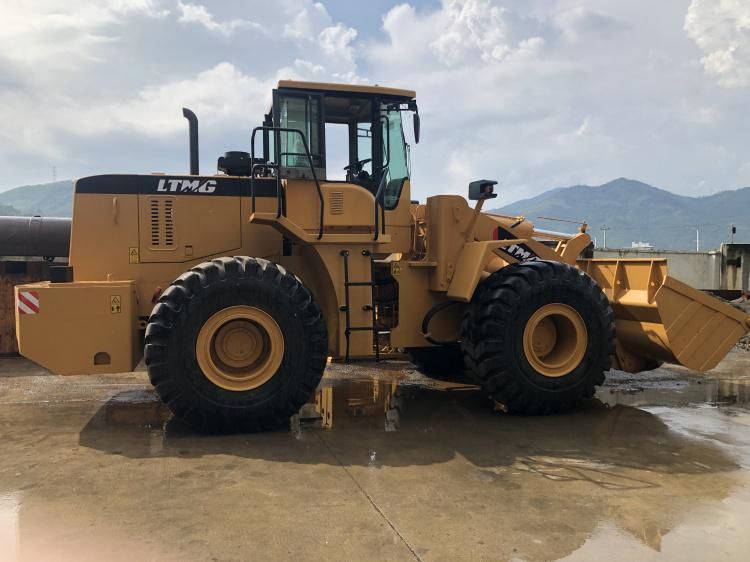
(375, 397)
(649, 463)
(432, 421)
(669, 389)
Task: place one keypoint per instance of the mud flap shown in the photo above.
(660, 319)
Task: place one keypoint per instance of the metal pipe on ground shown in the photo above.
(45, 237)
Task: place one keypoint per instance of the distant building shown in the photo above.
(642, 245)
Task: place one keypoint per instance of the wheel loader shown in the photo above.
(238, 287)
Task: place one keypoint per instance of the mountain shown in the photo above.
(635, 211)
(9, 211)
(48, 199)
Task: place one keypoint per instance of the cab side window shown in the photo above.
(302, 113)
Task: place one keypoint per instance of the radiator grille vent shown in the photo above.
(161, 215)
(337, 202)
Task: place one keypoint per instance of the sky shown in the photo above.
(533, 93)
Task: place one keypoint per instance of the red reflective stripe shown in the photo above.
(28, 302)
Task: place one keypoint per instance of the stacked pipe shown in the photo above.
(46, 237)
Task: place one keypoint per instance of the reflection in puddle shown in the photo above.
(629, 468)
(370, 402)
(377, 402)
(674, 392)
(384, 455)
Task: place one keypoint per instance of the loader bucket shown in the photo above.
(660, 319)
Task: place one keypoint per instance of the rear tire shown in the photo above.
(236, 344)
(572, 349)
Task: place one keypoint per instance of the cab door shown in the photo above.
(303, 112)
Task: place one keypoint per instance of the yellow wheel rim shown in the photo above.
(555, 340)
(240, 348)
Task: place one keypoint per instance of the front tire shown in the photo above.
(236, 344)
(539, 336)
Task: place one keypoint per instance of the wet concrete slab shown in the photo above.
(382, 464)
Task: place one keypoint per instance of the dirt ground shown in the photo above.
(744, 343)
(383, 464)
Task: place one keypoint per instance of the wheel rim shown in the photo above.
(240, 348)
(555, 339)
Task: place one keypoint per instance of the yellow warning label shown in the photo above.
(395, 269)
(133, 256)
(115, 304)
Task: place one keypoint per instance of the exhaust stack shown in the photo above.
(193, 121)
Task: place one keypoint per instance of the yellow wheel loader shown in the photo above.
(238, 287)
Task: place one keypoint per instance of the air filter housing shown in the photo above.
(235, 163)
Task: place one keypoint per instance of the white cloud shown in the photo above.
(307, 22)
(218, 95)
(721, 29)
(337, 39)
(579, 22)
(583, 128)
(317, 35)
(34, 32)
(466, 25)
(199, 14)
(577, 92)
(536, 93)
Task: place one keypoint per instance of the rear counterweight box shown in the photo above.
(79, 328)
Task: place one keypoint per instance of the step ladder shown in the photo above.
(346, 308)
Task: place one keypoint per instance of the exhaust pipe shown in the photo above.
(193, 121)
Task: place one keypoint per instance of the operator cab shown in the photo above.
(349, 134)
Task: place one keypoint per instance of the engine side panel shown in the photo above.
(152, 228)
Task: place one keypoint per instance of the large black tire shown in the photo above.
(493, 330)
(199, 294)
(444, 362)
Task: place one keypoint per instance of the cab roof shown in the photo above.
(348, 88)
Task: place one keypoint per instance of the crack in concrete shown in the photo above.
(374, 505)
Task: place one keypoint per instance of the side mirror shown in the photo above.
(482, 189)
(416, 127)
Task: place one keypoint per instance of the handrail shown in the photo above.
(378, 196)
(387, 140)
(277, 151)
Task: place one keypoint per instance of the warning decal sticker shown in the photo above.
(28, 302)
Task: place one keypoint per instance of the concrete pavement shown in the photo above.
(381, 465)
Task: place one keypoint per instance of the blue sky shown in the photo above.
(534, 93)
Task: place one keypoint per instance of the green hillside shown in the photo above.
(633, 210)
(48, 199)
(9, 211)
(636, 211)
